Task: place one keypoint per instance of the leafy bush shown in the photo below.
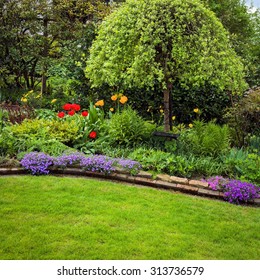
(206, 166)
(150, 159)
(250, 168)
(207, 139)
(233, 160)
(63, 131)
(129, 129)
(10, 162)
(243, 165)
(243, 117)
(13, 144)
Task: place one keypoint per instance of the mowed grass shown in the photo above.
(75, 218)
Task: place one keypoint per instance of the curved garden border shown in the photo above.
(162, 181)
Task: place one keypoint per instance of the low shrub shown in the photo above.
(64, 132)
(154, 160)
(243, 118)
(207, 139)
(127, 128)
(242, 164)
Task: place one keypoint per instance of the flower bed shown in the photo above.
(233, 191)
(40, 163)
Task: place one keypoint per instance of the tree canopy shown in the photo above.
(32, 33)
(164, 41)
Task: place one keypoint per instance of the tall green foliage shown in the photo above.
(206, 139)
(164, 41)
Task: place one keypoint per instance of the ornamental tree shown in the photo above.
(144, 43)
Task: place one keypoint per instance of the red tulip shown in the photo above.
(84, 113)
(71, 112)
(67, 107)
(75, 107)
(61, 115)
(92, 134)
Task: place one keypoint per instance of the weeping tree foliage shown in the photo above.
(163, 42)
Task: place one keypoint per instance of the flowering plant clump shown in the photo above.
(68, 160)
(129, 165)
(216, 183)
(71, 110)
(236, 191)
(37, 163)
(118, 98)
(98, 163)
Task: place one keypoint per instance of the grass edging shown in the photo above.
(162, 181)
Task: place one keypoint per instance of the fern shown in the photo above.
(207, 139)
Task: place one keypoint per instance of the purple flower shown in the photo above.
(236, 191)
(129, 165)
(37, 163)
(216, 183)
(68, 160)
(98, 164)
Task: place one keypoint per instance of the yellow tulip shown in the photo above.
(196, 110)
(190, 125)
(100, 103)
(123, 99)
(173, 118)
(111, 109)
(114, 97)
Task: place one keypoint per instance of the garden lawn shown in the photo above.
(75, 218)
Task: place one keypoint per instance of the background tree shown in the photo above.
(241, 23)
(166, 42)
(34, 32)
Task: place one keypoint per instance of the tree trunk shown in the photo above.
(45, 55)
(167, 108)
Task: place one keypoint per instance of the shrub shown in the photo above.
(208, 139)
(11, 144)
(65, 132)
(150, 159)
(243, 165)
(9, 162)
(128, 129)
(243, 117)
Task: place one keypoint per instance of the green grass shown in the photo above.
(74, 218)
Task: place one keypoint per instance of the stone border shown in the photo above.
(162, 181)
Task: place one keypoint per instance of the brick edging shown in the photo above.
(162, 181)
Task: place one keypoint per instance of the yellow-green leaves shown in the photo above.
(144, 42)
